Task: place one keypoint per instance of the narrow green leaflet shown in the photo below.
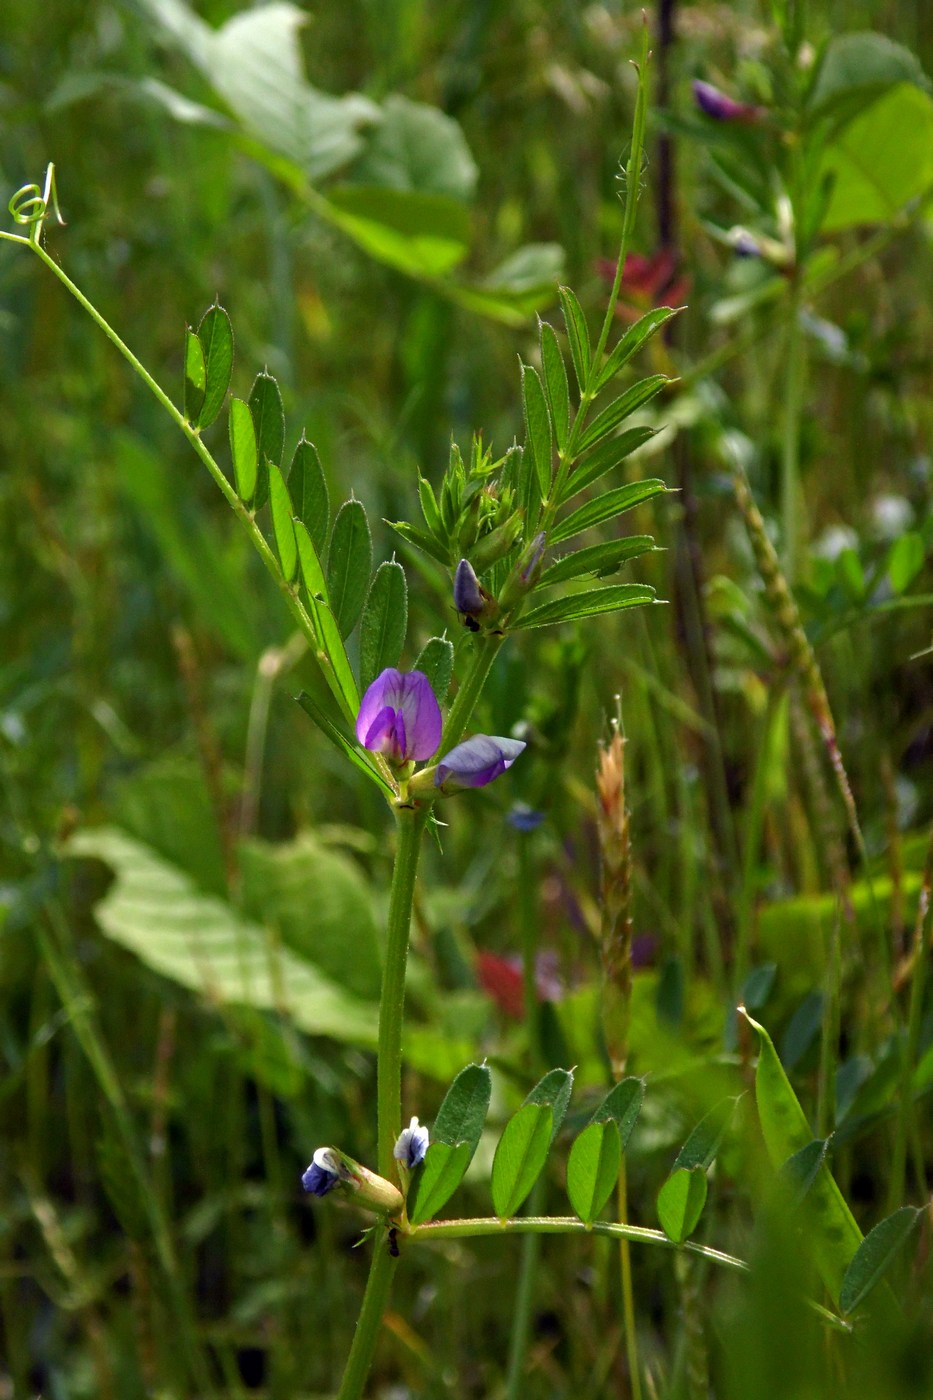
(436, 661)
(333, 653)
(832, 1236)
(194, 377)
(706, 1139)
(216, 336)
(265, 403)
(421, 540)
(538, 442)
(437, 1178)
(681, 1201)
(603, 459)
(875, 1255)
(554, 1090)
(622, 1106)
(243, 449)
(594, 601)
(348, 565)
(606, 507)
(282, 524)
(621, 408)
(593, 1169)
(575, 321)
(632, 341)
(520, 1156)
(555, 380)
(800, 1171)
(598, 559)
(342, 742)
(308, 490)
(429, 507)
(384, 622)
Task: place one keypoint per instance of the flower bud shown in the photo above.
(331, 1168)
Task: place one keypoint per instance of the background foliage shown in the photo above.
(173, 829)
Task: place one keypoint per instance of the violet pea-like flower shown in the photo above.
(477, 761)
(721, 107)
(400, 717)
(411, 1144)
(323, 1174)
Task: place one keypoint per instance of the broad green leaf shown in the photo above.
(282, 524)
(203, 944)
(348, 565)
(593, 1169)
(632, 341)
(462, 1114)
(880, 161)
(875, 1255)
(307, 487)
(800, 1171)
(856, 68)
(333, 653)
(538, 441)
(436, 661)
(384, 622)
(555, 380)
(622, 1106)
(905, 561)
(577, 334)
(216, 336)
(195, 377)
(243, 449)
(418, 147)
(681, 1201)
(342, 742)
(436, 1179)
(520, 1156)
(522, 283)
(423, 235)
(597, 559)
(265, 404)
(832, 1236)
(704, 1142)
(604, 458)
(594, 601)
(606, 507)
(621, 408)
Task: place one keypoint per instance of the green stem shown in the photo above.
(521, 1308)
(411, 822)
(628, 1293)
(375, 1299)
(921, 958)
(459, 715)
(790, 454)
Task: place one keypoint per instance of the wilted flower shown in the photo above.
(324, 1172)
(412, 1144)
(477, 761)
(722, 108)
(400, 717)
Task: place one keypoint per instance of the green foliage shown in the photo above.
(681, 1201)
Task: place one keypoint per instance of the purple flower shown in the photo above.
(524, 818)
(722, 108)
(400, 717)
(477, 761)
(468, 596)
(412, 1144)
(323, 1174)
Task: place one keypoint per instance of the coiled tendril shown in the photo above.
(31, 206)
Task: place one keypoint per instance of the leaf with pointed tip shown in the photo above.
(429, 506)
(243, 449)
(332, 654)
(420, 540)
(384, 622)
(632, 341)
(194, 377)
(621, 408)
(348, 565)
(622, 1106)
(875, 1255)
(282, 524)
(801, 1169)
(265, 403)
(589, 604)
(307, 487)
(538, 441)
(436, 661)
(706, 1139)
(342, 742)
(593, 1168)
(436, 1179)
(462, 1114)
(606, 507)
(216, 336)
(554, 1090)
(681, 1201)
(577, 334)
(555, 380)
(520, 1156)
(599, 560)
(603, 459)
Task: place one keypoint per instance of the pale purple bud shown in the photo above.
(532, 557)
(721, 108)
(400, 717)
(411, 1145)
(468, 596)
(477, 761)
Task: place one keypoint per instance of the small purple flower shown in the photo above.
(323, 1174)
(468, 596)
(412, 1144)
(721, 108)
(400, 717)
(477, 761)
(524, 818)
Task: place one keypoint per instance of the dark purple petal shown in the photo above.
(321, 1177)
(524, 818)
(722, 108)
(477, 761)
(400, 717)
(467, 596)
